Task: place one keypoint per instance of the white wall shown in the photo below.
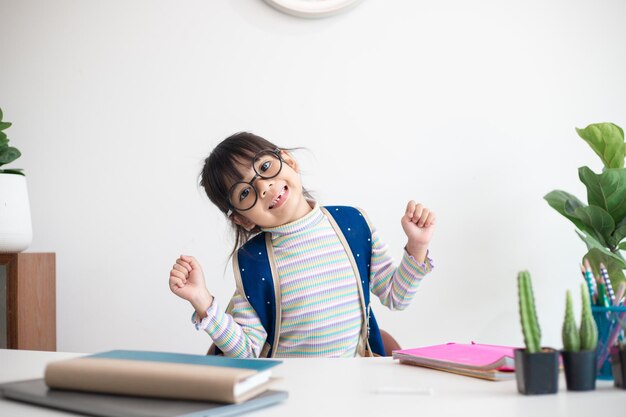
(469, 107)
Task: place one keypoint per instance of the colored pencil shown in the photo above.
(607, 282)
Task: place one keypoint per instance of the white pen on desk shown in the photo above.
(403, 391)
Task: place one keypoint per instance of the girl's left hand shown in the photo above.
(418, 223)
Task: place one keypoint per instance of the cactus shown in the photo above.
(588, 328)
(587, 337)
(569, 333)
(528, 314)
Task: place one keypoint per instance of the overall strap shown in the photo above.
(254, 269)
(358, 235)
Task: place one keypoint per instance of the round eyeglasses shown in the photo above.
(243, 195)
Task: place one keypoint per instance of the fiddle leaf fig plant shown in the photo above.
(8, 153)
(601, 223)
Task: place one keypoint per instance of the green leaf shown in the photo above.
(597, 221)
(606, 190)
(8, 155)
(607, 141)
(614, 268)
(622, 246)
(593, 221)
(4, 125)
(594, 244)
(565, 204)
(618, 235)
(620, 231)
(4, 141)
(1, 115)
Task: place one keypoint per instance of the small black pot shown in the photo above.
(618, 366)
(580, 370)
(537, 373)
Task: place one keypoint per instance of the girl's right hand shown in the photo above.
(187, 282)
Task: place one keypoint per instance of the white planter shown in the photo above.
(16, 232)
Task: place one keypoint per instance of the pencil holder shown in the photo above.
(609, 328)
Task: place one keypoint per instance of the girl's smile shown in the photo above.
(280, 199)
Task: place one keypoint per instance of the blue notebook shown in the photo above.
(184, 358)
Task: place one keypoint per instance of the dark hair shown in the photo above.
(220, 172)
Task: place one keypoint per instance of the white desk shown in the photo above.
(345, 387)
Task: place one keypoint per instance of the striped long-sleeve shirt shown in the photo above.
(321, 310)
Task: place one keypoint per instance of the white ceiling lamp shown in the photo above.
(312, 8)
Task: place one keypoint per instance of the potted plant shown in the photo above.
(15, 223)
(601, 223)
(536, 368)
(579, 347)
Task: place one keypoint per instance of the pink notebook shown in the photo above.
(459, 356)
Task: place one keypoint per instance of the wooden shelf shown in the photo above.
(30, 300)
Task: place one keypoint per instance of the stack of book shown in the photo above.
(491, 362)
(157, 384)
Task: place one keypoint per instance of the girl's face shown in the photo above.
(280, 200)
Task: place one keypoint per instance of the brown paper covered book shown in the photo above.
(163, 375)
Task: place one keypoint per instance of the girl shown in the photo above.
(316, 305)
